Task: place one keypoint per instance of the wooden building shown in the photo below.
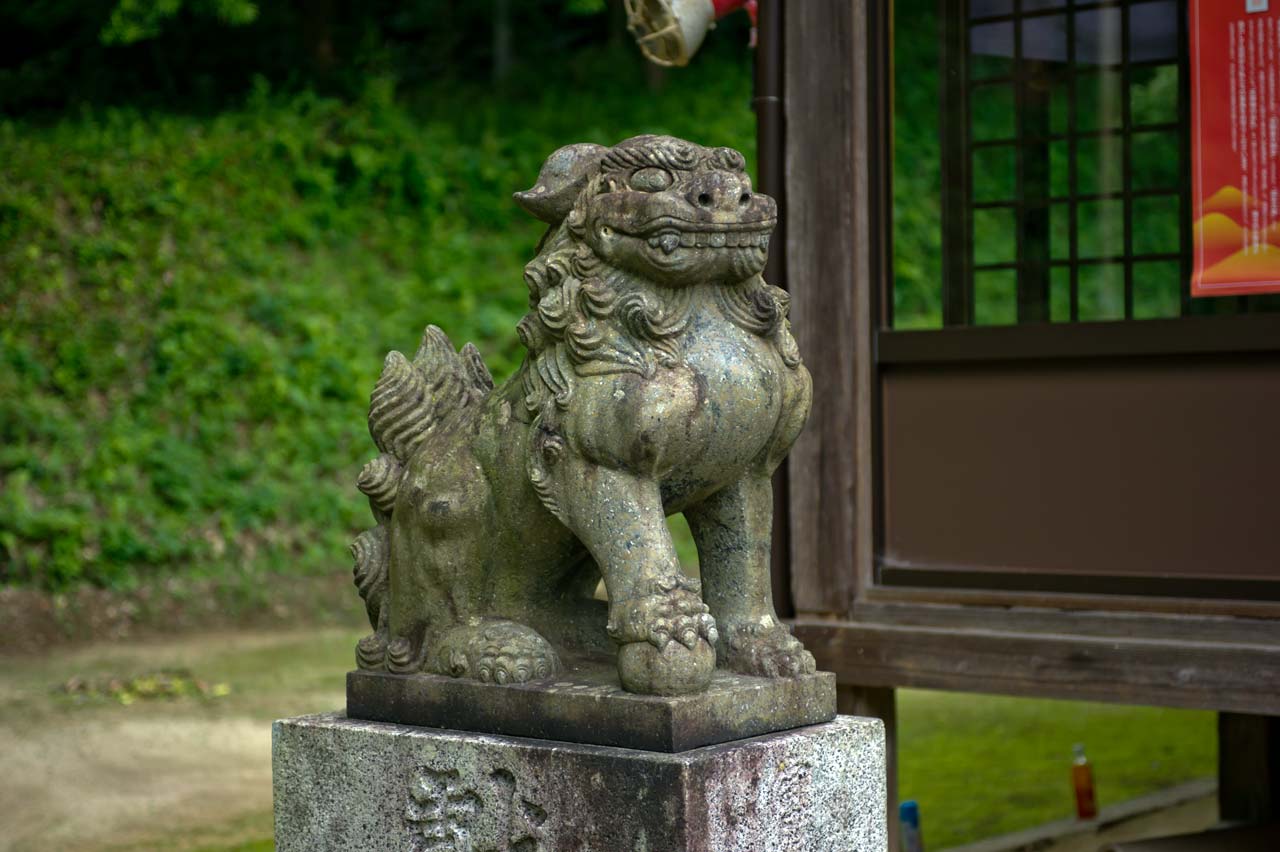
(1061, 478)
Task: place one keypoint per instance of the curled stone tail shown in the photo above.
(413, 399)
(370, 550)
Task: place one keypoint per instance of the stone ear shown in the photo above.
(563, 176)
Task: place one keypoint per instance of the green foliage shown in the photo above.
(194, 309)
(135, 20)
(584, 7)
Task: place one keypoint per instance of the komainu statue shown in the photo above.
(661, 376)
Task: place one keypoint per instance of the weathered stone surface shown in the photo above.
(584, 703)
(350, 786)
(660, 376)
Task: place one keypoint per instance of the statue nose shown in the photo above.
(720, 193)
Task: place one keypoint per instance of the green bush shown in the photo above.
(194, 309)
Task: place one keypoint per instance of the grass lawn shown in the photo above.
(193, 775)
(986, 765)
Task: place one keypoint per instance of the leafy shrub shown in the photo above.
(194, 309)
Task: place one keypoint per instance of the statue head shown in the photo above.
(670, 211)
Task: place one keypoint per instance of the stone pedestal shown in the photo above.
(585, 703)
(343, 785)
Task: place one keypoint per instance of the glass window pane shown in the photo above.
(917, 166)
(1101, 225)
(992, 114)
(1098, 36)
(1153, 95)
(989, 8)
(1060, 169)
(1098, 100)
(1045, 38)
(1100, 161)
(1059, 105)
(1060, 231)
(1060, 294)
(1101, 292)
(995, 297)
(995, 236)
(1155, 161)
(1153, 31)
(994, 174)
(1156, 225)
(991, 46)
(1157, 289)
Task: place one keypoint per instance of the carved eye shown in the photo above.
(651, 179)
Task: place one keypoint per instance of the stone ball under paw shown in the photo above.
(675, 670)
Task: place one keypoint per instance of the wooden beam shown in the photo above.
(821, 103)
(1225, 676)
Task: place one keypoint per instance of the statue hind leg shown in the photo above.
(733, 531)
(440, 592)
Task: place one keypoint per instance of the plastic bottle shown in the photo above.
(909, 820)
(1082, 781)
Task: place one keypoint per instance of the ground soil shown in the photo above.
(35, 621)
(164, 774)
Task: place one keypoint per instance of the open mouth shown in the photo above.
(669, 234)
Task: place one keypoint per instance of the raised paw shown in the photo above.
(765, 649)
(674, 612)
(667, 639)
(494, 652)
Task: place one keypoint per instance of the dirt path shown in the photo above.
(174, 774)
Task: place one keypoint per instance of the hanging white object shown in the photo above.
(669, 32)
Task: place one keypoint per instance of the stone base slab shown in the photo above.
(586, 704)
(343, 785)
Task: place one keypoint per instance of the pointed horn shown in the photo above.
(563, 176)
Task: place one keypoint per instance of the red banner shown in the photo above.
(1235, 82)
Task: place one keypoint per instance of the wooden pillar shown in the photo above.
(880, 704)
(1248, 768)
(824, 95)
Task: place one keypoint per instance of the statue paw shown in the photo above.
(378, 653)
(674, 612)
(495, 652)
(667, 639)
(371, 652)
(764, 649)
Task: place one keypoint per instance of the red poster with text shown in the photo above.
(1235, 81)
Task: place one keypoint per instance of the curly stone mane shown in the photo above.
(587, 318)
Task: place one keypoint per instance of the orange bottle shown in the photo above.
(1082, 781)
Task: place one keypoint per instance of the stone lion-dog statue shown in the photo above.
(660, 377)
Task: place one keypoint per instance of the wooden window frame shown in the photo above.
(1149, 649)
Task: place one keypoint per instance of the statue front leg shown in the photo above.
(732, 529)
(656, 615)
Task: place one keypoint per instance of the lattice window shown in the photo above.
(1065, 160)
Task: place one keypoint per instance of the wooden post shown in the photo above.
(1248, 768)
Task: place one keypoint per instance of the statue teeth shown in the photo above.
(717, 240)
(688, 239)
(669, 242)
(653, 242)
